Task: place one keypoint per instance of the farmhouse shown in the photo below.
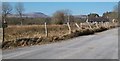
(98, 19)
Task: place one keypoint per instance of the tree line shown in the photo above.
(59, 17)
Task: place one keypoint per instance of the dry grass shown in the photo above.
(35, 34)
(28, 31)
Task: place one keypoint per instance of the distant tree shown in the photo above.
(118, 11)
(6, 9)
(71, 19)
(93, 15)
(62, 16)
(110, 15)
(113, 14)
(68, 15)
(115, 8)
(58, 17)
(20, 9)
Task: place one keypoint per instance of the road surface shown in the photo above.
(102, 45)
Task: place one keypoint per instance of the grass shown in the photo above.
(28, 31)
(26, 35)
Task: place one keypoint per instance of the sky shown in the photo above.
(60, 0)
(77, 8)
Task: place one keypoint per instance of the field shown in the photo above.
(27, 35)
(29, 31)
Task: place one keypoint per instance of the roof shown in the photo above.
(99, 19)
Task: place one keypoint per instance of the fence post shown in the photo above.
(81, 25)
(107, 23)
(46, 31)
(77, 26)
(96, 24)
(69, 27)
(102, 24)
(113, 21)
(88, 24)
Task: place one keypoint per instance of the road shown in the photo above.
(102, 45)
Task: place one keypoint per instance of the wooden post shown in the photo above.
(96, 24)
(3, 27)
(68, 18)
(46, 31)
(107, 24)
(87, 20)
(69, 27)
(77, 26)
(21, 22)
(88, 24)
(113, 21)
(102, 24)
(3, 32)
(81, 25)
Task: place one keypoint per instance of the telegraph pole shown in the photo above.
(3, 29)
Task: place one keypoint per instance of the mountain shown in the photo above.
(37, 15)
(31, 15)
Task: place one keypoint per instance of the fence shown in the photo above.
(26, 31)
(37, 34)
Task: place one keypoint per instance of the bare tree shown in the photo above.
(6, 9)
(115, 8)
(58, 17)
(62, 16)
(20, 9)
(68, 15)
